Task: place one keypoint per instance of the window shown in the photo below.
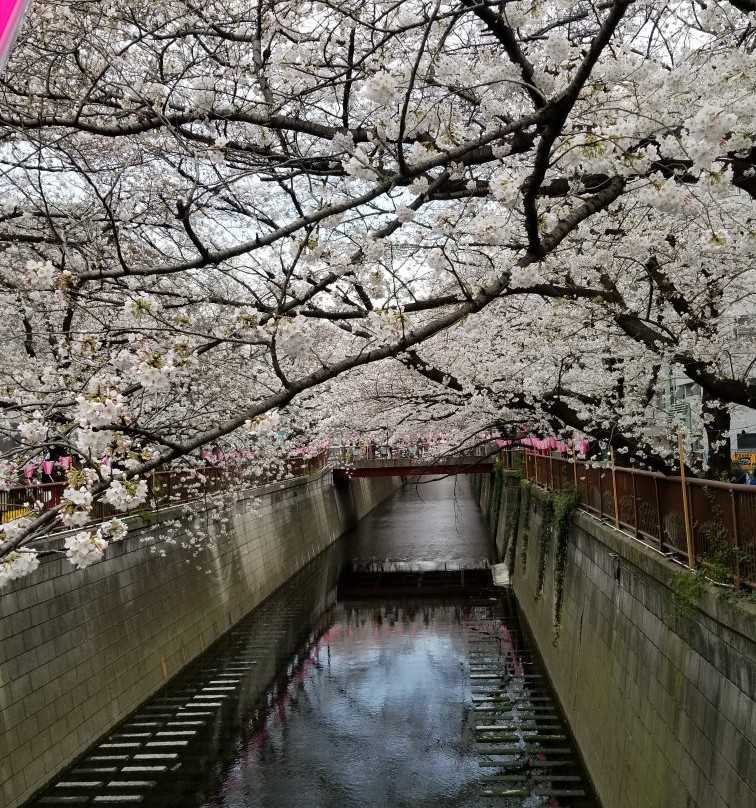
(746, 441)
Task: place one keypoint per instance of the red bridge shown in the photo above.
(410, 466)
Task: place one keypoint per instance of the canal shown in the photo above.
(389, 672)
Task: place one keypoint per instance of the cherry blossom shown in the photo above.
(113, 530)
(17, 564)
(223, 231)
(126, 494)
(85, 548)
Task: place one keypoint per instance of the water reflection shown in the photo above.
(380, 715)
(366, 701)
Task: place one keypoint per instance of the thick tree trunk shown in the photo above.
(717, 427)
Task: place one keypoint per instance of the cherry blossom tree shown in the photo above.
(221, 215)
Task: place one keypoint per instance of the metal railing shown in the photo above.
(715, 522)
(339, 453)
(345, 453)
(165, 488)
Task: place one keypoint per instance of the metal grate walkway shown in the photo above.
(521, 740)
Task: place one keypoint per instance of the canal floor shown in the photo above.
(377, 699)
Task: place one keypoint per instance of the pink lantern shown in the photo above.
(64, 462)
(47, 467)
(29, 470)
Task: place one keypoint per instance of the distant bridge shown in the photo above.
(410, 466)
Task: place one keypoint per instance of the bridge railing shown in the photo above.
(716, 520)
(165, 488)
(427, 453)
(346, 453)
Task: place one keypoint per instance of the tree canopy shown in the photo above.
(362, 212)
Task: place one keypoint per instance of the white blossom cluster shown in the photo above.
(85, 548)
(114, 529)
(152, 371)
(264, 425)
(359, 167)
(506, 191)
(382, 89)
(76, 506)
(385, 326)
(8, 475)
(40, 274)
(225, 235)
(88, 546)
(102, 409)
(18, 564)
(292, 336)
(705, 132)
(34, 430)
(126, 494)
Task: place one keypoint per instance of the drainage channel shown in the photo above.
(165, 751)
(384, 700)
(362, 683)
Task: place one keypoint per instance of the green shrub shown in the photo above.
(566, 502)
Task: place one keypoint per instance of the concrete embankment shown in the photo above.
(659, 693)
(81, 649)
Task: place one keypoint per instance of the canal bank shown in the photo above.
(370, 700)
(81, 649)
(660, 698)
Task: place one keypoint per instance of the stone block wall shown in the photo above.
(661, 705)
(503, 512)
(81, 649)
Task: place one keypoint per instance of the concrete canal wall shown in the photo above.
(81, 649)
(661, 704)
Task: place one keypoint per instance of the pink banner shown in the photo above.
(12, 13)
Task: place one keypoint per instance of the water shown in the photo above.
(423, 526)
(375, 699)
(367, 720)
